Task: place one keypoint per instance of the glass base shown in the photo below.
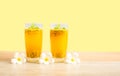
(33, 60)
(59, 60)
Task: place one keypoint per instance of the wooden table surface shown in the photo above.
(92, 64)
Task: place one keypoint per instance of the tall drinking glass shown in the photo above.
(33, 41)
(59, 40)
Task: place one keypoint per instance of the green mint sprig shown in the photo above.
(33, 26)
(58, 26)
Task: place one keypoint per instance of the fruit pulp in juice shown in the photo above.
(58, 40)
(33, 42)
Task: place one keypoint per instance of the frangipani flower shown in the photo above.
(19, 58)
(46, 58)
(72, 58)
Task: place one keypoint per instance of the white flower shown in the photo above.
(46, 58)
(19, 58)
(72, 58)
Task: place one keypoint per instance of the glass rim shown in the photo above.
(61, 25)
(27, 25)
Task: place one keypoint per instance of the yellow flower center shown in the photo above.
(19, 59)
(46, 59)
(72, 60)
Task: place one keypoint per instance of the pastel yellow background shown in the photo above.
(94, 25)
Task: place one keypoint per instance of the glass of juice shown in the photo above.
(58, 41)
(33, 41)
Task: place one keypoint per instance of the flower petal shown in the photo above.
(13, 61)
(46, 63)
(78, 60)
(50, 55)
(76, 54)
(43, 55)
(52, 60)
(46, 58)
(24, 60)
(69, 55)
(19, 58)
(72, 58)
(19, 62)
(16, 55)
(41, 61)
(22, 54)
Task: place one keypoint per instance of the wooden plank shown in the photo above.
(92, 64)
(84, 56)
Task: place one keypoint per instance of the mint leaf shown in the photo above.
(33, 26)
(57, 26)
(64, 28)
